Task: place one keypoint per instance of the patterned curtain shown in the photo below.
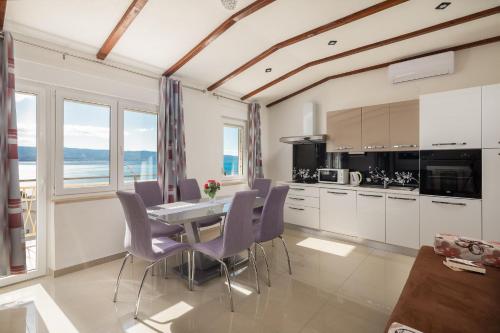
(254, 144)
(12, 242)
(171, 141)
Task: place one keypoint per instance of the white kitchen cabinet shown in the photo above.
(371, 215)
(451, 119)
(302, 190)
(449, 215)
(491, 194)
(402, 220)
(301, 215)
(338, 211)
(491, 116)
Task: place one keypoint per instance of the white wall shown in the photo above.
(83, 231)
(474, 67)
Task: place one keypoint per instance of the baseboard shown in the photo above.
(356, 240)
(79, 267)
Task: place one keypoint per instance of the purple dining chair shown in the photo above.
(190, 190)
(237, 237)
(150, 193)
(271, 224)
(262, 185)
(139, 241)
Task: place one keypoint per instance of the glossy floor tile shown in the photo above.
(335, 286)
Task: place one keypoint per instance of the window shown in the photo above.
(103, 144)
(26, 128)
(139, 146)
(86, 143)
(233, 157)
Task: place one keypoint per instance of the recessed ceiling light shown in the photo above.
(268, 70)
(443, 5)
(332, 42)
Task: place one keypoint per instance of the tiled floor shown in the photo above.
(335, 287)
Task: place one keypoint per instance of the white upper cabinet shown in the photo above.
(491, 116)
(451, 119)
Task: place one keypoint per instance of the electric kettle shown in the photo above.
(355, 178)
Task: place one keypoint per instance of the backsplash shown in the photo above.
(400, 168)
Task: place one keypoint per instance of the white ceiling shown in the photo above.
(166, 29)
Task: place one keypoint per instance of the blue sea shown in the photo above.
(231, 165)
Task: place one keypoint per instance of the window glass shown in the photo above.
(86, 144)
(233, 155)
(139, 146)
(26, 141)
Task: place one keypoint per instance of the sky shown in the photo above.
(231, 141)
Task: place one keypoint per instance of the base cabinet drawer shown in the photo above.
(338, 211)
(371, 215)
(302, 216)
(402, 220)
(449, 215)
(306, 191)
(293, 199)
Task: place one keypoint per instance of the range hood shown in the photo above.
(308, 128)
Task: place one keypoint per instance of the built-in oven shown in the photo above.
(452, 173)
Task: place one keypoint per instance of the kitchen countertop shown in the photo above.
(363, 188)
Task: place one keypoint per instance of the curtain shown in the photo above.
(12, 242)
(254, 144)
(171, 141)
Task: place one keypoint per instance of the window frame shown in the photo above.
(89, 98)
(242, 125)
(134, 107)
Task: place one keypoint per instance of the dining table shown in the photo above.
(188, 213)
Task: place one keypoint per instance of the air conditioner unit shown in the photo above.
(434, 65)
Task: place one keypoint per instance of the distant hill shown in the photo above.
(28, 154)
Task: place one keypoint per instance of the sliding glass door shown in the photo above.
(30, 103)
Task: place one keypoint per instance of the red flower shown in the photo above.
(206, 186)
(211, 181)
(218, 184)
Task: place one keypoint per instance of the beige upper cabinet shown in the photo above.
(344, 130)
(375, 128)
(404, 125)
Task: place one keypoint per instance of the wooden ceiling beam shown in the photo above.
(3, 8)
(416, 33)
(250, 9)
(308, 34)
(370, 68)
(133, 10)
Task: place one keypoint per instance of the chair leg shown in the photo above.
(193, 269)
(140, 289)
(287, 255)
(120, 275)
(251, 257)
(228, 285)
(267, 264)
(165, 268)
(190, 267)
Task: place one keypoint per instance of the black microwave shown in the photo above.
(451, 173)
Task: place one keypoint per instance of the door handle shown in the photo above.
(449, 203)
(450, 144)
(399, 198)
(332, 192)
(295, 208)
(371, 195)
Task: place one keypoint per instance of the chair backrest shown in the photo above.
(189, 189)
(150, 192)
(138, 229)
(238, 229)
(271, 219)
(262, 185)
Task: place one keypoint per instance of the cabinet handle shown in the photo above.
(332, 192)
(404, 146)
(299, 199)
(295, 208)
(374, 147)
(450, 144)
(449, 203)
(344, 147)
(297, 189)
(399, 198)
(371, 195)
